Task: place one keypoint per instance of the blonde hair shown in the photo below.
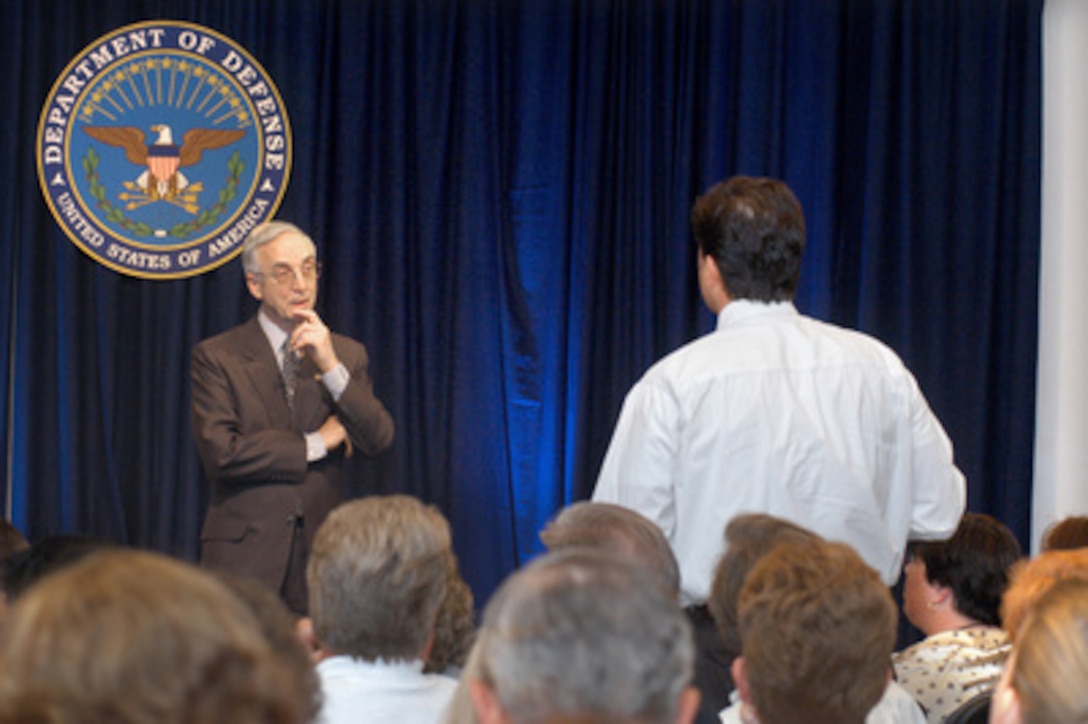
(134, 637)
(1051, 657)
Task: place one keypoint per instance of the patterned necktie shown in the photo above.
(290, 372)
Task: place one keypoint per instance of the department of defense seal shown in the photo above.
(160, 146)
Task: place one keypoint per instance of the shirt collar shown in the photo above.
(276, 336)
(345, 661)
(742, 311)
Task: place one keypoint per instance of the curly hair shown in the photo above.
(455, 626)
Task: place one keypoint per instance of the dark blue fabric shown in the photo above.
(500, 190)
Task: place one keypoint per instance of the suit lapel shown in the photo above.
(263, 371)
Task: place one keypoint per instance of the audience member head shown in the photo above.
(46, 556)
(1067, 534)
(752, 232)
(959, 582)
(817, 628)
(614, 528)
(12, 543)
(454, 627)
(1031, 578)
(1044, 678)
(582, 635)
(134, 637)
(279, 627)
(377, 573)
(748, 538)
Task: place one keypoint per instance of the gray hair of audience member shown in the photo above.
(263, 234)
(377, 573)
(618, 529)
(748, 538)
(137, 637)
(586, 634)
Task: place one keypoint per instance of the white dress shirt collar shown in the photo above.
(741, 311)
(276, 336)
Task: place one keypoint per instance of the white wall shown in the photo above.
(1061, 443)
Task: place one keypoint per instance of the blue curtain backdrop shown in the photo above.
(500, 191)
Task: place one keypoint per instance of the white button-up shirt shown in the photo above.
(779, 413)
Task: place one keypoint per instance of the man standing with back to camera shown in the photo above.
(776, 413)
(278, 403)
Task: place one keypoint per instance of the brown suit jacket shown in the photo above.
(253, 450)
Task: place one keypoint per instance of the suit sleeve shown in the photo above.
(234, 450)
(368, 423)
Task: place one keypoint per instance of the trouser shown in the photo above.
(713, 675)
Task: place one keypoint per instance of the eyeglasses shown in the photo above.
(284, 274)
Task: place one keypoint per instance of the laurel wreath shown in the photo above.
(207, 217)
(98, 191)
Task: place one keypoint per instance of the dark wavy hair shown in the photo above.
(974, 563)
(754, 230)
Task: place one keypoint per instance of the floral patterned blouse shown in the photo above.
(947, 669)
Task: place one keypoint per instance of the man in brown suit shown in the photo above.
(278, 402)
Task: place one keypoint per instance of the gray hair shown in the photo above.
(377, 574)
(582, 632)
(261, 235)
(614, 528)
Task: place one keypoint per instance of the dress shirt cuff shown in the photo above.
(336, 381)
(315, 447)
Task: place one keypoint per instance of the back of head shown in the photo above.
(12, 544)
(1050, 660)
(133, 637)
(46, 556)
(581, 634)
(377, 573)
(12, 540)
(748, 538)
(1031, 578)
(617, 529)
(1067, 534)
(817, 627)
(278, 625)
(754, 230)
(974, 563)
(454, 627)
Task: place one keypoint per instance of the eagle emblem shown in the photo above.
(161, 146)
(162, 180)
